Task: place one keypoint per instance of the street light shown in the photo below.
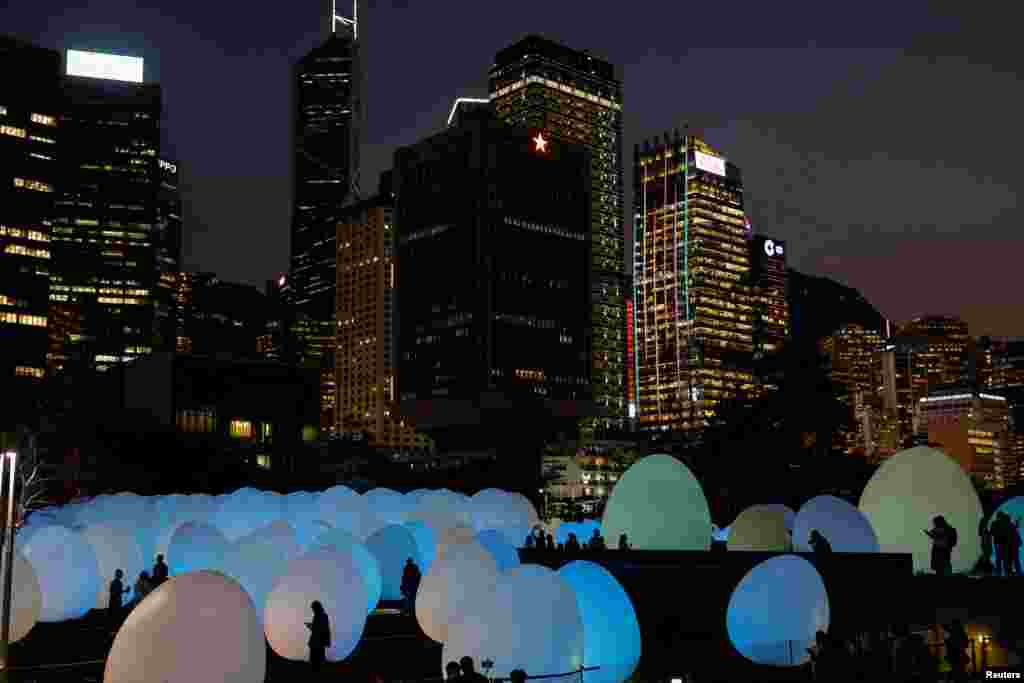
(8, 470)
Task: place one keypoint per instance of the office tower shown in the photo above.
(167, 239)
(576, 97)
(694, 314)
(29, 131)
(216, 317)
(464, 105)
(326, 128)
(854, 366)
(366, 349)
(769, 280)
(106, 233)
(974, 429)
(493, 283)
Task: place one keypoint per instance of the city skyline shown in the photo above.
(879, 205)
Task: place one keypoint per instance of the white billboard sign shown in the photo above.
(706, 162)
(108, 67)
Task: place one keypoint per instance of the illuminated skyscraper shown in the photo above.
(854, 366)
(694, 314)
(576, 97)
(974, 429)
(109, 244)
(367, 361)
(29, 131)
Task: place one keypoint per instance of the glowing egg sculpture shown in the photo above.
(392, 546)
(330, 576)
(845, 527)
(660, 505)
(788, 515)
(302, 512)
(1014, 507)
(776, 610)
(509, 513)
(760, 528)
(26, 599)
(426, 543)
(584, 531)
(391, 506)
(115, 548)
(911, 488)
(343, 541)
(498, 546)
(195, 546)
(466, 573)
(611, 632)
(258, 559)
(200, 628)
(442, 509)
(341, 507)
(69, 577)
(530, 620)
(242, 512)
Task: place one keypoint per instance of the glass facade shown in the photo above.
(577, 97)
(29, 171)
(111, 240)
(694, 316)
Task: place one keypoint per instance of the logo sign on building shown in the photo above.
(107, 67)
(773, 248)
(168, 166)
(706, 162)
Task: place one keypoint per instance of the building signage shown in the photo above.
(108, 67)
(168, 166)
(706, 162)
(540, 144)
(773, 249)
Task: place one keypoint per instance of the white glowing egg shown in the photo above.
(68, 574)
(366, 561)
(331, 577)
(531, 621)
(845, 527)
(611, 632)
(259, 559)
(344, 508)
(759, 528)
(776, 610)
(194, 547)
(660, 505)
(498, 546)
(464, 574)
(391, 506)
(115, 548)
(426, 543)
(393, 546)
(242, 512)
(509, 513)
(442, 509)
(26, 599)
(196, 628)
(911, 488)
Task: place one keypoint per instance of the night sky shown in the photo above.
(882, 141)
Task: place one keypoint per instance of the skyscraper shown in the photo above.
(771, 306)
(29, 131)
(694, 317)
(855, 368)
(107, 234)
(576, 97)
(168, 241)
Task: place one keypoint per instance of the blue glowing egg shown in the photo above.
(497, 545)
(195, 547)
(845, 527)
(392, 546)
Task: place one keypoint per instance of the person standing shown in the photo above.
(819, 544)
(956, 650)
(319, 636)
(1013, 546)
(985, 536)
(469, 672)
(143, 587)
(943, 541)
(117, 591)
(160, 572)
(624, 542)
(411, 576)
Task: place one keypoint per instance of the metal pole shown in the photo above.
(3, 560)
(5, 630)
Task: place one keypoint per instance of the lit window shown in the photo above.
(12, 131)
(263, 461)
(36, 185)
(241, 429)
(22, 371)
(3, 111)
(40, 138)
(44, 119)
(21, 250)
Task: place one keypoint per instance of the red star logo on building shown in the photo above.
(541, 143)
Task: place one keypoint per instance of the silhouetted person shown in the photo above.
(596, 541)
(143, 587)
(517, 676)
(1000, 532)
(985, 536)
(943, 541)
(159, 571)
(549, 542)
(451, 671)
(819, 544)
(1013, 549)
(117, 591)
(573, 544)
(319, 636)
(529, 541)
(819, 653)
(624, 542)
(956, 650)
(410, 583)
(469, 673)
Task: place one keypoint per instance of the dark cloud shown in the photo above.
(880, 139)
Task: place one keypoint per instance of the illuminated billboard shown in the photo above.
(108, 67)
(706, 162)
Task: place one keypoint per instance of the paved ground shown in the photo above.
(392, 646)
